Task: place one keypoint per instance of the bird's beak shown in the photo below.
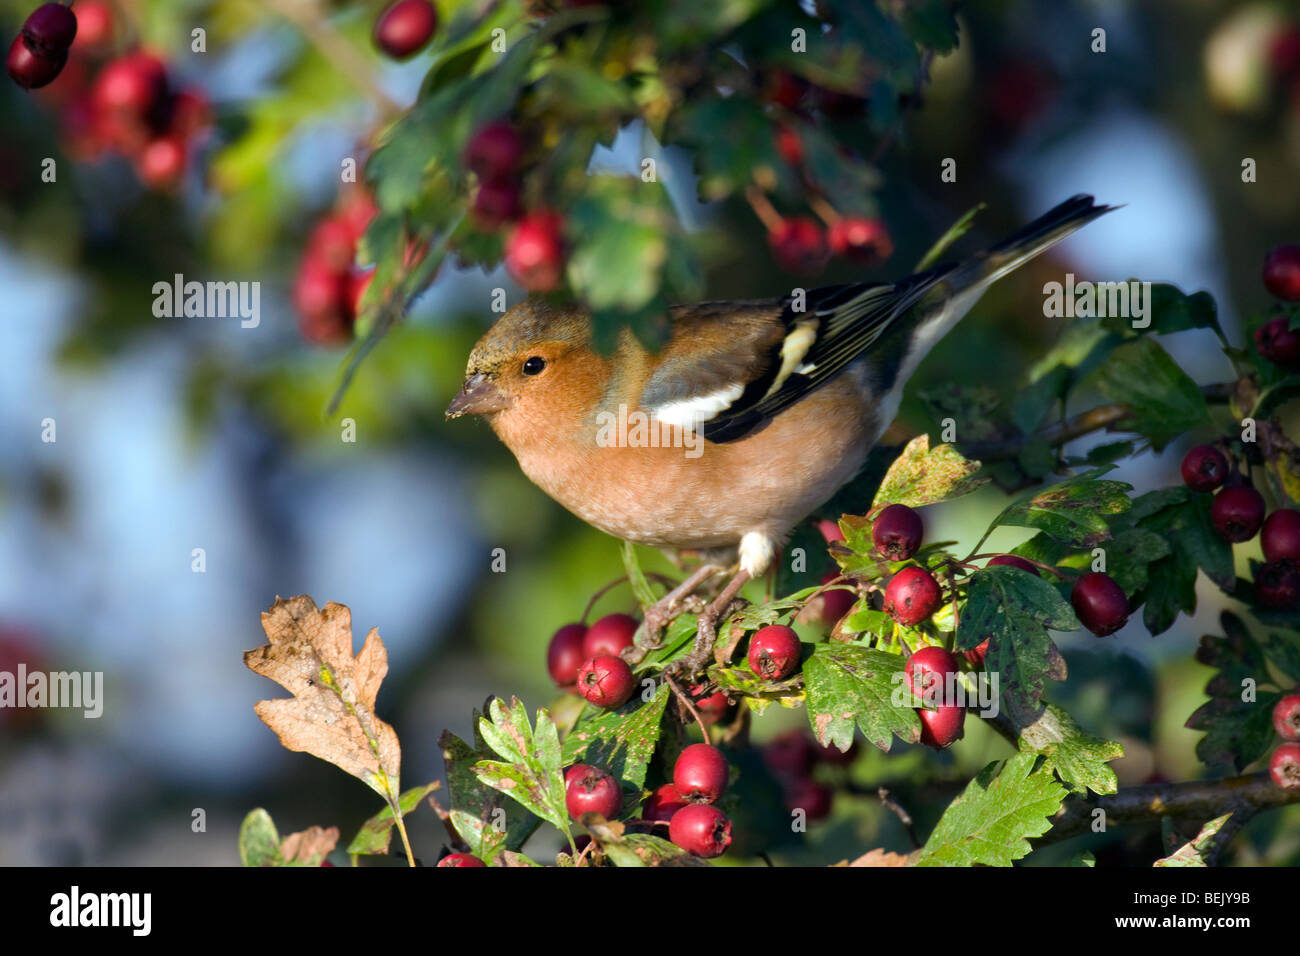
(478, 396)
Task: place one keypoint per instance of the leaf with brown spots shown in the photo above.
(921, 476)
(308, 847)
(1075, 511)
(332, 712)
(849, 685)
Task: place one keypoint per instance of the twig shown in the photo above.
(763, 209)
(904, 817)
(686, 702)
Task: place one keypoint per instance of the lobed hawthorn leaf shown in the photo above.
(376, 833)
(976, 406)
(1284, 651)
(1165, 400)
(620, 741)
(476, 808)
(1013, 609)
(990, 824)
(849, 685)
(1193, 852)
(530, 771)
(636, 849)
(1238, 732)
(1074, 511)
(1129, 554)
(1170, 310)
(921, 476)
(1076, 756)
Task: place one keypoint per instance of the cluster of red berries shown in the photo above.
(1238, 514)
(586, 660)
(405, 28)
(1275, 340)
(700, 777)
(1284, 765)
(927, 671)
(792, 758)
(328, 286)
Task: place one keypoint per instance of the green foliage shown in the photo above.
(376, 833)
(485, 820)
(921, 476)
(620, 741)
(1193, 852)
(1074, 511)
(530, 770)
(1076, 756)
(1165, 401)
(848, 685)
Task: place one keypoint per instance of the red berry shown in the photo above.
(700, 829)
(942, 727)
(976, 655)
(564, 655)
(1283, 767)
(1277, 585)
(494, 151)
(191, 113)
(134, 84)
(799, 245)
(320, 297)
(829, 606)
(162, 162)
(1100, 603)
(861, 240)
(535, 251)
(94, 23)
(332, 244)
(789, 146)
(606, 681)
(460, 859)
(1282, 272)
(1286, 717)
(496, 203)
(813, 798)
(609, 635)
(927, 670)
(912, 595)
(711, 708)
(700, 774)
(50, 29)
(897, 532)
(786, 89)
(1275, 341)
(1014, 561)
(357, 210)
(774, 652)
(790, 755)
(1280, 537)
(589, 789)
(32, 70)
(404, 28)
(830, 531)
(662, 804)
(1237, 513)
(1204, 468)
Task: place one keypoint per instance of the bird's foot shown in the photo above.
(706, 634)
(680, 600)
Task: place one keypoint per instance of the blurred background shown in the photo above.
(177, 434)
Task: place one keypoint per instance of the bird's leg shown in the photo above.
(707, 632)
(660, 614)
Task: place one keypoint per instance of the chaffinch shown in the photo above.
(753, 414)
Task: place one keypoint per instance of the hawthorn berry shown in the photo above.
(606, 681)
(790, 755)
(94, 23)
(786, 89)
(564, 655)
(332, 243)
(700, 829)
(320, 298)
(912, 595)
(135, 84)
(711, 708)
(799, 245)
(829, 606)
(494, 150)
(162, 162)
(1280, 537)
(1283, 767)
(860, 239)
(1277, 585)
(1278, 342)
(1282, 272)
(1237, 513)
(589, 789)
(662, 804)
(1100, 603)
(496, 203)
(460, 859)
(32, 70)
(50, 29)
(1204, 468)
(1014, 561)
(897, 532)
(977, 654)
(534, 251)
(700, 774)
(1286, 717)
(609, 635)
(405, 27)
(813, 798)
(789, 146)
(927, 667)
(943, 727)
(774, 652)
(830, 531)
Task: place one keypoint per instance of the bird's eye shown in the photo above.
(534, 365)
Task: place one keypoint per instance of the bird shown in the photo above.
(749, 417)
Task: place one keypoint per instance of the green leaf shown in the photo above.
(1182, 520)
(1193, 852)
(637, 578)
(531, 772)
(1130, 553)
(620, 741)
(921, 476)
(1284, 651)
(259, 843)
(1074, 511)
(483, 817)
(955, 232)
(376, 833)
(976, 406)
(1076, 756)
(847, 685)
(932, 24)
(1170, 311)
(1238, 731)
(1012, 609)
(638, 849)
(1165, 400)
(995, 816)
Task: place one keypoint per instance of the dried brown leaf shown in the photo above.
(881, 857)
(332, 713)
(309, 846)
